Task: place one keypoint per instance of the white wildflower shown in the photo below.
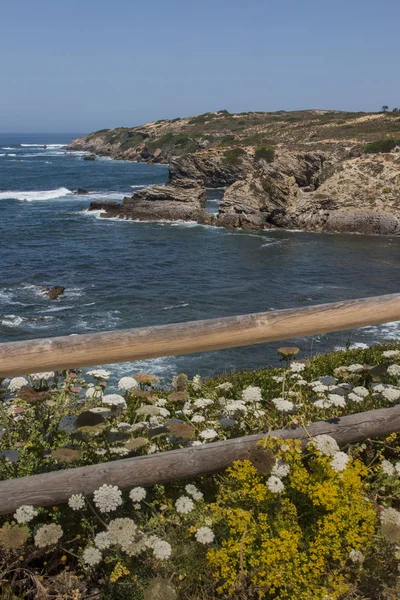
(25, 514)
(251, 395)
(390, 523)
(193, 491)
(48, 535)
(198, 419)
(152, 449)
(283, 405)
(184, 505)
(225, 387)
(356, 556)
(323, 403)
(102, 540)
(275, 485)
(119, 451)
(127, 384)
(325, 444)
(391, 394)
(301, 382)
(42, 376)
(17, 383)
(137, 494)
(235, 407)
(337, 400)
(278, 378)
(208, 434)
(339, 461)
(161, 402)
(99, 374)
(162, 550)
(391, 353)
(107, 498)
(361, 391)
(91, 392)
(205, 535)
(394, 370)
(320, 388)
(76, 502)
(355, 368)
(122, 532)
(355, 398)
(297, 367)
(91, 556)
(388, 468)
(203, 402)
(397, 467)
(114, 400)
(280, 469)
(196, 383)
(164, 412)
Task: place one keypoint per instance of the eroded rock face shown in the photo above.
(208, 168)
(184, 200)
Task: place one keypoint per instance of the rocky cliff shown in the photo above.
(307, 169)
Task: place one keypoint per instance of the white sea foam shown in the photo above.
(138, 186)
(7, 148)
(42, 145)
(37, 195)
(11, 321)
(57, 308)
(175, 306)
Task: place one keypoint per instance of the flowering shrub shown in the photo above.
(318, 523)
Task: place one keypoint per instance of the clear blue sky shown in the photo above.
(77, 66)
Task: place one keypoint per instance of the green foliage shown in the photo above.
(265, 153)
(233, 156)
(380, 146)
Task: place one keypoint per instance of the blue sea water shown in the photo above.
(121, 274)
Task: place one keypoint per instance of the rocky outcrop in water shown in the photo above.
(183, 201)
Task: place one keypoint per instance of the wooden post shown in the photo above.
(21, 358)
(50, 489)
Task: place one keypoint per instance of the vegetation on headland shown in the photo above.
(162, 140)
(288, 523)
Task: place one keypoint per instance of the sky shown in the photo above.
(78, 66)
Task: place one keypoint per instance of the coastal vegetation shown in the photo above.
(316, 521)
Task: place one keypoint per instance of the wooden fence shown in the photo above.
(20, 358)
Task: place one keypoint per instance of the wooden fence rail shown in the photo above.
(50, 489)
(20, 358)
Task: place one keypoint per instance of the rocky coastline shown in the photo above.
(316, 186)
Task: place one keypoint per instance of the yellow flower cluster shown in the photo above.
(294, 544)
(119, 571)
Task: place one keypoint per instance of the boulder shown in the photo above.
(81, 192)
(89, 157)
(54, 292)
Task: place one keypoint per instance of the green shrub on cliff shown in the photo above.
(265, 153)
(380, 146)
(233, 156)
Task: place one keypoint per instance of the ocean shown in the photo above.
(121, 274)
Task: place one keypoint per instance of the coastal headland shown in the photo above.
(322, 170)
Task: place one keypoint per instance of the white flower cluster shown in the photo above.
(326, 444)
(41, 376)
(122, 532)
(225, 387)
(203, 402)
(198, 419)
(339, 461)
(280, 469)
(356, 556)
(162, 550)
(102, 540)
(17, 383)
(297, 367)
(196, 383)
(205, 535)
(127, 384)
(275, 485)
(48, 535)
(208, 434)
(282, 405)
(137, 494)
(391, 394)
(184, 505)
(394, 370)
(99, 374)
(25, 514)
(389, 469)
(193, 491)
(391, 353)
(114, 400)
(390, 524)
(107, 498)
(91, 556)
(251, 395)
(76, 502)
